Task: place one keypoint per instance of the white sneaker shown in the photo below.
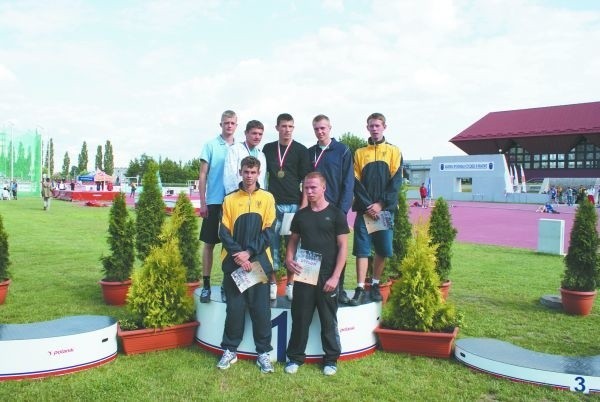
(289, 291)
(273, 291)
(227, 360)
(291, 368)
(263, 361)
(329, 370)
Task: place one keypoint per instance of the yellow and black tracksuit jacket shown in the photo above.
(377, 176)
(247, 224)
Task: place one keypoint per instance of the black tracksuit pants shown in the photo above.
(306, 298)
(256, 300)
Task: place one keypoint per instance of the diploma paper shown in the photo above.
(383, 223)
(310, 262)
(245, 280)
(286, 222)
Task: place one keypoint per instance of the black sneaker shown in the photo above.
(375, 293)
(359, 297)
(223, 297)
(343, 297)
(205, 295)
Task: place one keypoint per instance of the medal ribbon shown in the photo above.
(317, 160)
(282, 158)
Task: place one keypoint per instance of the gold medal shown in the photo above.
(281, 174)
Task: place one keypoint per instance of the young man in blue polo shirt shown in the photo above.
(212, 192)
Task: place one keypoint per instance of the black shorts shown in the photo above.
(209, 233)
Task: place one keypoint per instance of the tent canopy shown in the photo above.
(99, 175)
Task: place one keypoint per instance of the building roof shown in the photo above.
(531, 128)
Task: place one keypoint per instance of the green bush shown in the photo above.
(4, 257)
(415, 303)
(402, 233)
(150, 212)
(189, 244)
(117, 266)
(157, 297)
(581, 262)
(442, 235)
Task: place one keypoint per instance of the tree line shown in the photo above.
(170, 171)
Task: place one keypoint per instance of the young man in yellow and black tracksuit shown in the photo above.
(378, 177)
(246, 230)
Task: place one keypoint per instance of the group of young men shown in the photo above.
(244, 196)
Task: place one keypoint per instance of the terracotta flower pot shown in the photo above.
(191, 287)
(445, 289)
(4, 290)
(577, 303)
(115, 293)
(147, 340)
(431, 344)
(281, 284)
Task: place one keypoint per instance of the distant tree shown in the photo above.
(352, 141)
(150, 212)
(109, 163)
(66, 164)
(138, 167)
(98, 163)
(48, 158)
(51, 153)
(82, 160)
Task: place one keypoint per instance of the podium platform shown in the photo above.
(355, 325)
(56, 347)
(503, 359)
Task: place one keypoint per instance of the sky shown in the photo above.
(154, 76)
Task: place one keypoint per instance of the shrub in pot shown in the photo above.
(4, 262)
(402, 232)
(581, 277)
(158, 300)
(187, 235)
(415, 311)
(117, 266)
(442, 235)
(150, 210)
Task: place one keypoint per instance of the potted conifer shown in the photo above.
(117, 266)
(189, 244)
(581, 277)
(4, 263)
(402, 232)
(442, 235)
(415, 319)
(158, 299)
(150, 210)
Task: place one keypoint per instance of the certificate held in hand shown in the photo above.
(310, 262)
(245, 280)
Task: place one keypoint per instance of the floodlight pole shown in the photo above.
(12, 151)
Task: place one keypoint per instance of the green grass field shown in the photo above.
(55, 269)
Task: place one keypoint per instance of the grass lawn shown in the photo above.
(55, 269)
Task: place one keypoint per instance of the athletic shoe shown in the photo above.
(289, 291)
(376, 293)
(291, 368)
(359, 297)
(227, 360)
(273, 291)
(205, 295)
(343, 297)
(329, 370)
(264, 362)
(223, 296)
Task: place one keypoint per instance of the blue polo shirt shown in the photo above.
(214, 153)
